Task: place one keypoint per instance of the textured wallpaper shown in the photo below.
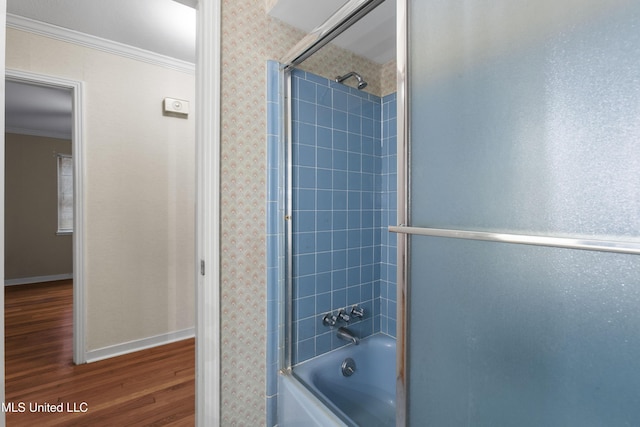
(250, 38)
(388, 78)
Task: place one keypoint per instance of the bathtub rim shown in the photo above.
(320, 397)
(301, 393)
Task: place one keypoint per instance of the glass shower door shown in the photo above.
(523, 290)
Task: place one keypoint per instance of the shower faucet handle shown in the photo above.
(357, 312)
(329, 319)
(342, 315)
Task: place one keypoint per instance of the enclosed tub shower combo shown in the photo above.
(514, 217)
(332, 186)
(340, 281)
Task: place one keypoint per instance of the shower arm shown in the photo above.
(340, 79)
(361, 83)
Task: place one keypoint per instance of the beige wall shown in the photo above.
(32, 246)
(249, 39)
(139, 188)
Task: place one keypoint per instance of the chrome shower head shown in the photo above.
(361, 83)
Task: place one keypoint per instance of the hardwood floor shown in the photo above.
(153, 387)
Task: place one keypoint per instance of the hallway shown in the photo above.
(150, 387)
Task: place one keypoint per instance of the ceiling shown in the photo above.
(38, 110)
(166, 27)
(373, 37)
(162, 26)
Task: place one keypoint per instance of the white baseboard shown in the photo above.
(137, 345)
(37, 279)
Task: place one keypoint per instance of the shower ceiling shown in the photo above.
(373, 37)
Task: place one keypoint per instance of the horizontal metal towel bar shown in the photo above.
(556, 242)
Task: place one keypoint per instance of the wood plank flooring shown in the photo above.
(153, 387)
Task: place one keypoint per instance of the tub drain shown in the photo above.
(348, 367)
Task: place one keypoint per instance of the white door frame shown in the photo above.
(208, 213)
(207, 221)
(79, 349)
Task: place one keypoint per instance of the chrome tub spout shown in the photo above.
(347, 335)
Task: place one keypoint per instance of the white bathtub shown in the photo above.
(366, 398)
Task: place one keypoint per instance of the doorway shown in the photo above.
(49, 109)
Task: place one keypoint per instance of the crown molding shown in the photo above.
(70, 36)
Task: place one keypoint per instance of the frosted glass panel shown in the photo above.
(525, 116)
(515, 335)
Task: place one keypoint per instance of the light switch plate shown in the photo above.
(176, 106)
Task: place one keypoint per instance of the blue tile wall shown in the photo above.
(389, 194)
(344, 196)
(340, 211)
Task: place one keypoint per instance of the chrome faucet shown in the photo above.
(329, 320)
(342, 315)
(357, 312)
(347, 335)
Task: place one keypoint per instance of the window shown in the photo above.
(65, 193)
